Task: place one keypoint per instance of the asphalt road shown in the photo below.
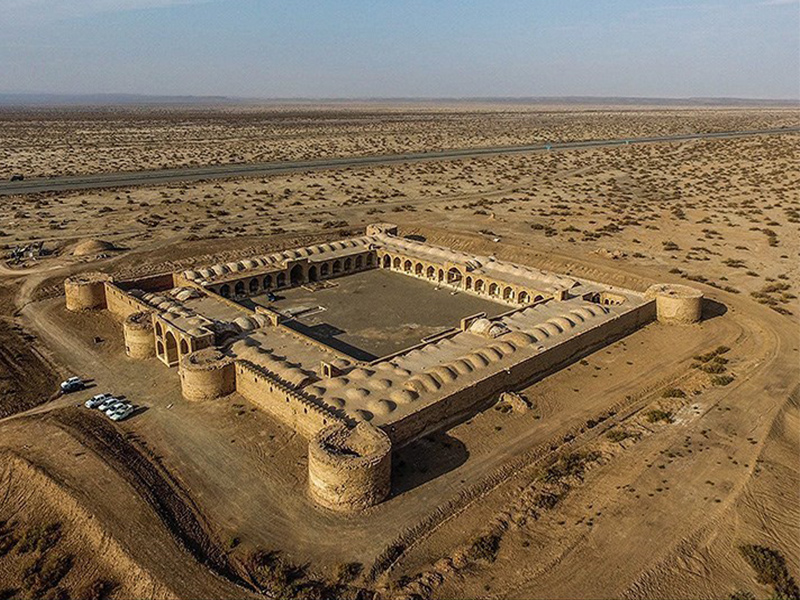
(190, 174)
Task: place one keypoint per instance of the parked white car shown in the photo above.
(111, 402)
(120, 413)
(72, 384)
(97, 400)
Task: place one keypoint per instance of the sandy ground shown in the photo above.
(46, 142)
(660, 511)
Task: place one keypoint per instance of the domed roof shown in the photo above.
(519, 338)
(478, 361)
(357, 393)
(443, 373)
(404, 396)
(336, 402)
(463, 366)
(480, 326)
(336, 383)
(382, 406)
(380, 384)
(361, 373)
(363, 415)
(490, 354)
(549, 328)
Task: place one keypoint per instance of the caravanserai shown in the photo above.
(249, 327)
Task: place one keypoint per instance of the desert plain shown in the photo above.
(664, 465)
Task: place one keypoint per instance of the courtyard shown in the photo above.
(375, 313)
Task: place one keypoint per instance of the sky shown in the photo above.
(402, 48)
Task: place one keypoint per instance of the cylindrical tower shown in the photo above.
(85, 291)
(676, 303)
(349, 469)
(207, 374)
(138, 332)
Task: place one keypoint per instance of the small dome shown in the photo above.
(357, 393)
(337, 383)
(363, 415)
(382, 407)
(336, 402)
(361, 373)
(490, 354)
(462, 366)
(404, 396)
(478, 361)
(380, 384)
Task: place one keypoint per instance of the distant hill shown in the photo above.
(31, 99)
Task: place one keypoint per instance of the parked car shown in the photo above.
(120, 413)
(110, 403)
(17, 177)
(97, 400)
(73, 384)
(115, 405)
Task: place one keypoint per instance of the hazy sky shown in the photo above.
(392, 48)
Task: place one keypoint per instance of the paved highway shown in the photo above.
(189, 174)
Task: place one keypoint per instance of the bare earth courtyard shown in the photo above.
(375, 313)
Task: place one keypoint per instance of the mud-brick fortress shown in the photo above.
(353, 412)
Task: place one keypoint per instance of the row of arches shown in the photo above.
(169, 347)
(299, 274)
(456, 278)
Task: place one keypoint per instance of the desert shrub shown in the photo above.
(721, 379)
(347, 572)
(485, 547)
(742, 595)
(573, 464)
(99, 589)
(713, 367)
(46, 573)
(617, 435)
(770, 568)
(546, 500)
(57, 593)
(656, 415)
(39, 537)
(7, 538)
(8, 593)
(674, 393)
